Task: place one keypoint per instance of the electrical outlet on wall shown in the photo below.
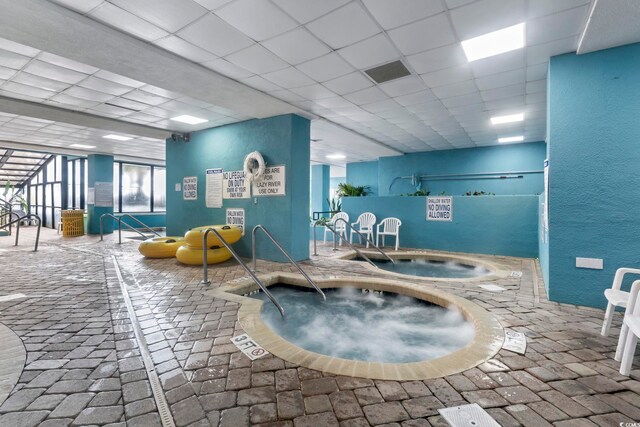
(592, 263)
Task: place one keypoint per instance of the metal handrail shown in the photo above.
(361, 235)
(120, 223)
(291, 260)
(335, 233)
(19, 220)
(206, 281)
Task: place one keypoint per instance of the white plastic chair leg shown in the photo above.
(627, 354)
(608, 316)
(397, 242)
(622, 340)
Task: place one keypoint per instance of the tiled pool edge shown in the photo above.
(486, 343)
(12, 359)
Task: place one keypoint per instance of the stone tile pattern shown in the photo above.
(566, 378)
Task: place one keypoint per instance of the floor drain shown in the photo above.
(468, 416)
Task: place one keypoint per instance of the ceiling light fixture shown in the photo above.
(519, 138)
(117, 137)
(498, 120)
(494, 43)
(82, 146)
(336, 156)
(185, 118)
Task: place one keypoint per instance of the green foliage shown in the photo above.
(419, 193)
(349, 190)
(15, 198)
(335, 205)
(444, 193)
(478, 193)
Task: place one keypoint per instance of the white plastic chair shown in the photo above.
(340, 227)
(365, 224)
(616, 297)
(389, 227)
(630, 331)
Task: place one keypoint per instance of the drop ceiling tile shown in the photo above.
(541, 53)
(256, 59)
(21, 89)
(507, 78)
(437, 59)
(116, 78)
(185, 49)
(160, 112)
(537, 86)
(335, 102)
(307, 10)
(104, 86)
(537, 72)
(296, 46)
(326, 67)
(392, 14)
(447, 76)
(485, 16)
(403, 86)
(344, 26)
(212, 4)
(39, 82)
(499, 63)
(259, 20)
(503, 92)
(89, 94)
(367, 96)
(534, 98)
(178, 107)
(289, 78)
(128, 104)
(455, 89)
(7, 73)
(44, 69)
(373, 51)
(426, 34)
(380, 106)
(81, 6)
(509, 103)
(349, 83)
(73, 102)
(109, 111)
(167, 14)
(260, 83)
(457, 101)
(313, 92)
(215, 35)
(66, 63)
(127, 22)
(13, 60)
(286, 95)
(557, 26)
(539, 8)
(226, 68)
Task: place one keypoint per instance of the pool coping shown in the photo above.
(487, 342)
(497, 272)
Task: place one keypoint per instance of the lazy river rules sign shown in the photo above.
(439, 208)
(271, 184)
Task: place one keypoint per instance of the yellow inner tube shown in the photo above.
(230, 233)
(161, 247)
(192, 256)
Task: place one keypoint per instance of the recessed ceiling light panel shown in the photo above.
(117, 137)
(498, 120)
(519, 138)
(336, 156)
(495, 43)
(82, 146)
(185, 118)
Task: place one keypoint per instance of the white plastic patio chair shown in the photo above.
(630, 331)
(389, 227)
(616, 297)
(366, 221)
(340, 227)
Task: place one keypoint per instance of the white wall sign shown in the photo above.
(236, 217)
(91, 196)
(249, 347)
(440, 208)
(235, 185)
(272, 183)
(545, 204)
(103, 194)
(213, 191)
(178, 186)
(190, 188)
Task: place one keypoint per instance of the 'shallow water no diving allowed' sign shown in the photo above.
(440, 208)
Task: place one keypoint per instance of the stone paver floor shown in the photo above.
(85, 367)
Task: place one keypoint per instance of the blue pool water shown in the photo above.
(432, 268)
(365, 326)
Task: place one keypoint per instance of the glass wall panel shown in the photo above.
(116, 187)
(159, 189)
(136, 188)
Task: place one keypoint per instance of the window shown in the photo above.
(116, 187)
(136, 188)
(159, 189)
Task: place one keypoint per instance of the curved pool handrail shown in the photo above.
(291, 260)
(145, 226)
(19, 220)
(205, 279)
(335, 233)
(120, 223)
(366, 239)
(102, 217)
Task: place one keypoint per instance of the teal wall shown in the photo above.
(503, 158)
(500, 225)
(320, 182)
(594, 153)
(100, 170)
(543, 245)
(364, 173)
(282, 140)
(153, 220)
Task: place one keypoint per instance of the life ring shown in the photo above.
(161, 247)
(230, 233)
(191, 256)
(254, 166)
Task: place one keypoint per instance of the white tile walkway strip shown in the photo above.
(4, 298)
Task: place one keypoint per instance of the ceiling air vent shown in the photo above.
(391, 71)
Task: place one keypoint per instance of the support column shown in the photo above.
(100, 177)
(320, 183)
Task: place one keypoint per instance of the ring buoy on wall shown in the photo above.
(161, 247)
(254, 166)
